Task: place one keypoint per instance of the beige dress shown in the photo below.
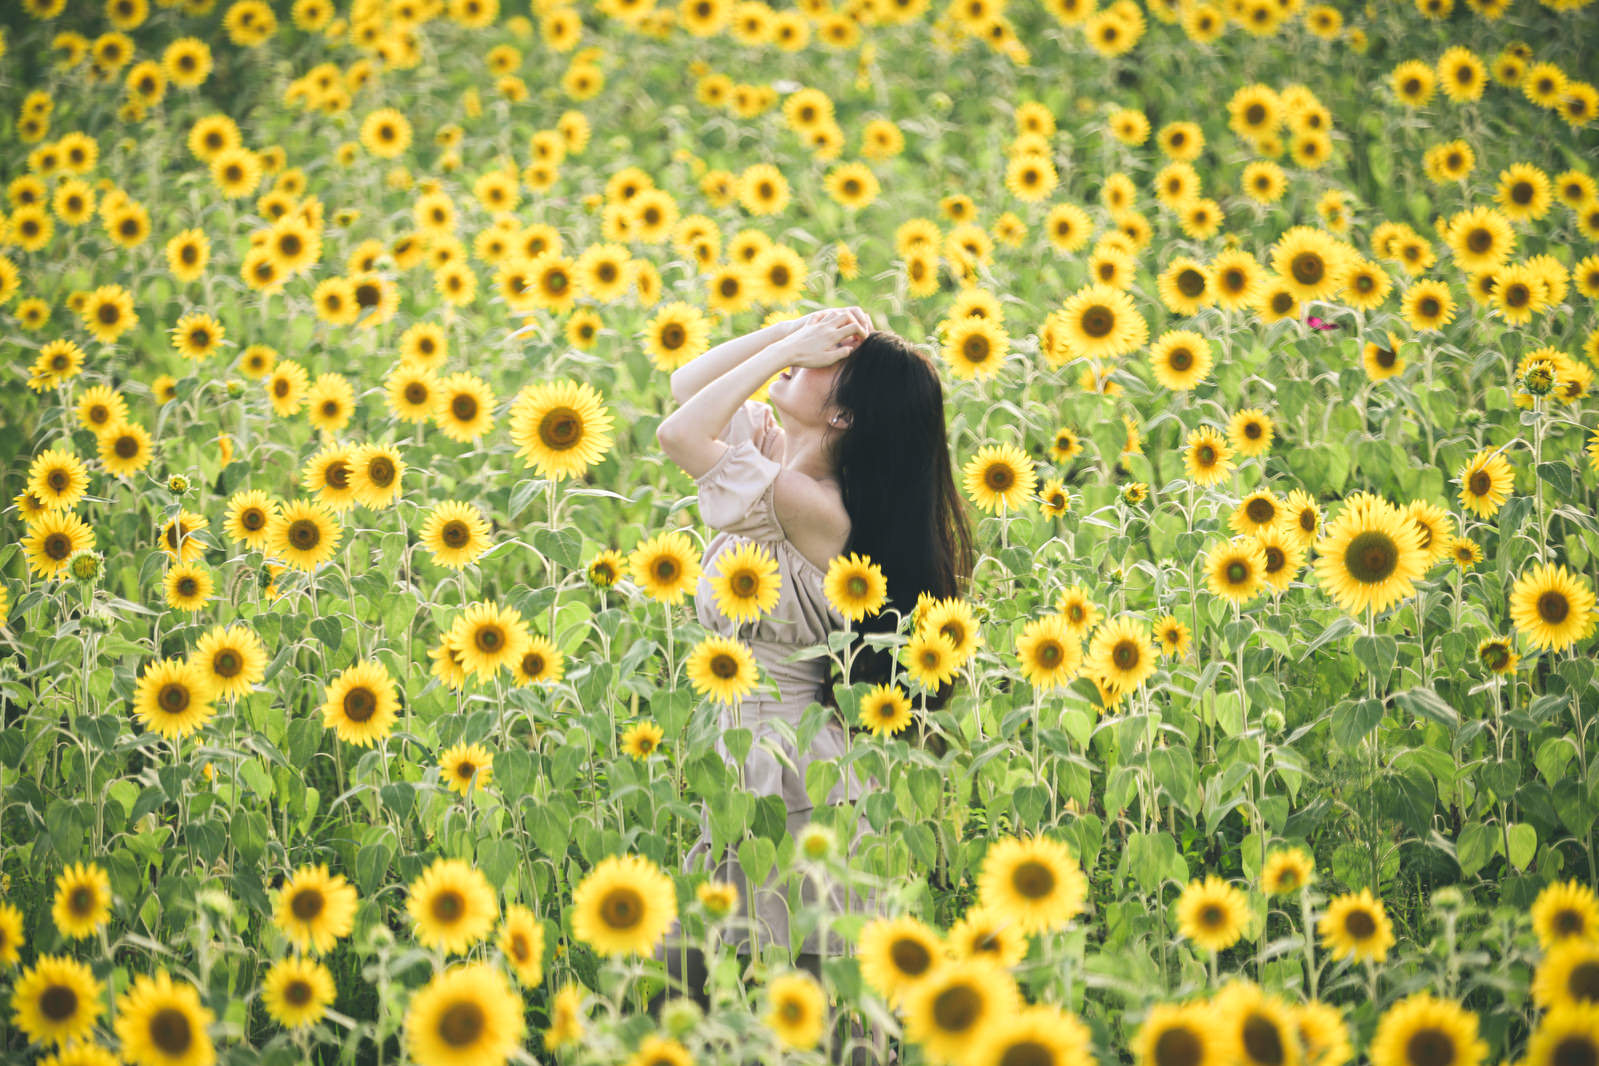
(735, 498)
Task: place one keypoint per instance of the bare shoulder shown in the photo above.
(812, 515)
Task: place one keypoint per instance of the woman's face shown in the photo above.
(801, 394)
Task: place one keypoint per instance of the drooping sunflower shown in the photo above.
(1212, 913)
(1552, 607)
(1181, 359)
(467, 1014)
(56, 1001)
(1035, 880)
(489, 636)
(161, 1022)
(173, 698)
(1121, 653)
(314, 908)
(360, 703)
(1207, 457)
(561, 428)
(1356, 925)
(522, 942)
(1050, 654)
(58, 478)
(1236, 570)
(53, 537)
(624, 906)
(1423, 1029)
(304, 534)
(456, 534)
(898, 953)
(1369, 557)
(181, 536)
(1101, 322)
(466, 766)
(666, 566)
(722, 669)
(1287, 870)
(465, 407)
(747, 583)
(1000, 477)
(958, 1002)
(82, 901)
(297, 991)
(452, 905)
(855, 586)
(232, 658)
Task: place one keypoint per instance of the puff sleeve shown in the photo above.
(735, 494)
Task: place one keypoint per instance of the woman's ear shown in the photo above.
(841, 420)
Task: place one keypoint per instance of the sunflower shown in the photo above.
(330, 402)
(1000, 477)
(929, 658)
(1212, 913)
(386, 133)
(747, 583)
(960, 1001)
(173, 698)
(82, 900)
(286, 387)
(1310, 262)
(58, 478)
(896, 954)
(1207, 456)
(465, 766)
(250, 515)
(161, 1022)
(1238, 279)
(1049, 653)
(1122, 654)
(1356, 925)
(124, 448)
(447, 664)
(1427, 305)
(1382, 361)
(57, 1000)
(1565, 910)
(314, 908)
(885, 710)
(722, 669)
(1034, 880)
(1181, 359)
(10, 929)
(641, 739)
(452, 906)
(1283, 555)
(327, 474)
(1100, 322)
(1552, 607)
(1465, 552)
(360, 703)
(522, 943)
(855, 586)
(796, 1010)
(1287, 870)
(1423, 1030)
(1369, 556)
(465, 408)
(456, 534)
(1179, 1035)
(985, 933)
(467, 1014)
(560, 428)
(304, 534)
(53, 537)
(1263, 1030)
(297, 991)
(624, 906)
(1567, 1033)
(488, 637)
(1436, 526)
(666, 566)
(197, 335)
(232, 659)
(975, 347)
(1236, 569)
(1172, 636)
(1480, 238)
(1250, 432)
(1524, 192)
(1568, 974)
(677, 333)
(1258, 511)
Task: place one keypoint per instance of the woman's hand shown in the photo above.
(795, 324)
(826, 336)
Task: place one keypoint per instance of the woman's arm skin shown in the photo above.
(691, 377)
(688, 434)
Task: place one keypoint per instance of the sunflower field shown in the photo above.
(352, 703)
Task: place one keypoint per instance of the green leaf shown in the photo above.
(328, 630)
(1428, 704)
(1335, 629)
(1352, 720)
(561, 545)
(1378, 655)
(1475, 846)
(1523, 844)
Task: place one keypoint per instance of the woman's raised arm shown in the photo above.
(705, 368)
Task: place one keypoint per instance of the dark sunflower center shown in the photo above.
(83, 899)
(666, 570)
(957, 1009)
(744, 583)
(171, 1032)
(561, 429)
(1033, 879)
(109, 314)
(360, 704)
(622, 908)
(297, 993)
(1584, 982)
(455, 534)
(58, 1003)
(1206, 455)
(1098, 321)
(1262, 1040)
(1553, 607)
(724, 666)
(464, 407)
(1260, 511)
(337, 474)
(462, 1024)
(1237, 572)
(533, 664)
(416, 393)
(1179, 1046)
(173, 698)
(253, 518)
(58, 546)
(227, 663)
(1125, 654)
(999, 477)
(1578, 1049)
(1430, 1047)
(489, 639)
(1360, 925)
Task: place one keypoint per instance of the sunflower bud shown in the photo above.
(816, 842)
(1273, 720)
(1448, 898)
(177, 484)
(86, 565)
(1539, 378)
(235, 388)
(679, 1016)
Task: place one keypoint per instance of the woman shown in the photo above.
(860, 464)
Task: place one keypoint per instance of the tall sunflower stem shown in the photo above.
(1310, 944)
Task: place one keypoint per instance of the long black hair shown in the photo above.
(906, 514)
